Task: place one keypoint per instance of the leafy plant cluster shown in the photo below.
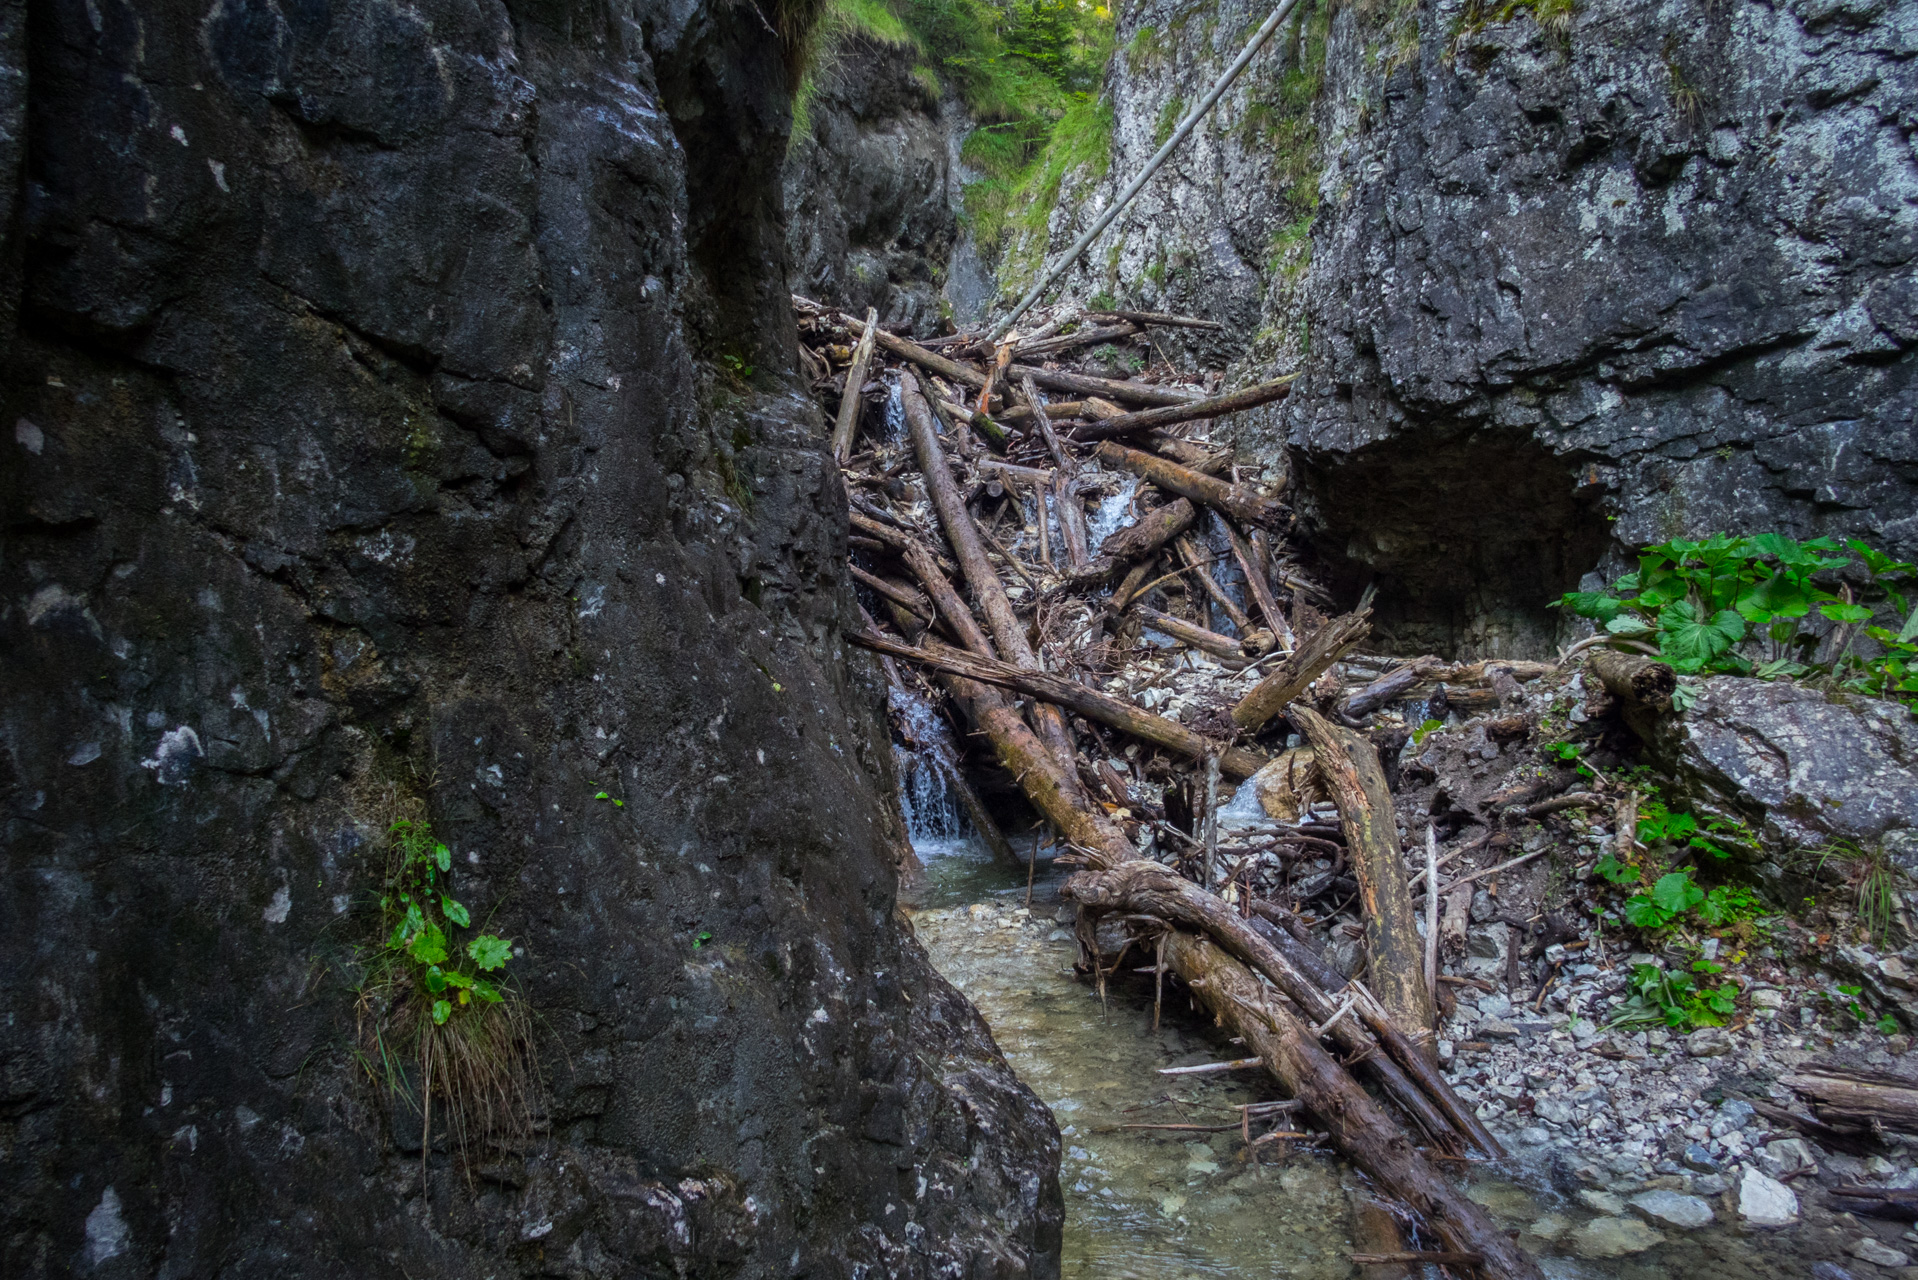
(1764, 606)
(1676, 999)
(423, 915)
(1676, 897)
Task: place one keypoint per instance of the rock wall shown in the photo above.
(872, 187)
(1637, 272)
(399, 418)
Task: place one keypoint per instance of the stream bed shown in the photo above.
(1164, 1204)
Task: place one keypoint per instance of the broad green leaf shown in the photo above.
(1845, 613)
(1643, 912)
(1592, 604)
(435, 979)
(442, 1010)
(1627, 624)
(486, 991)
(443, 856)
(454, 978)
(490, 952)
(429, 947)
(1777, 596)
(1676, 894)
(455, 911)
(1689, 641)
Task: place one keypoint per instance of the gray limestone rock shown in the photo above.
(1614, 1238)
(1673, 1209)
(1766, 1202)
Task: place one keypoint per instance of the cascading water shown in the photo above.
(1114, 513)
(927, 761)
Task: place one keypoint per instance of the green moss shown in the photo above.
(1009, 210)
(1554, 17)
(1144, 49)
(1169, 116)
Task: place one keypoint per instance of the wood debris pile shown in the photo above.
(1110, 602)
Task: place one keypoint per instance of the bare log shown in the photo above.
(849, 401)
(1358, 1126)
(1197, 561)
(1350, 766)
(1233, 499)
(1168, 415)
(1137, 540)
(1091, 703)
(1029, 349)
(1295, 675)
(1645, 681)
(968, 546)
(912, 351)
(1188, 633)
(1147, 888)
(898, 593)
(1261, 589)
(1153, 317)
(1110, 389)
(1389, 687)
(1376, 1233)
(1854, 1096)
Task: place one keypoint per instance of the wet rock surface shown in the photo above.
(369, 443)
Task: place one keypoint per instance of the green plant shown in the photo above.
(1672, 896)
(1426, 730)
(1677, 1000)
(1745, 606)
(434, 998)
(1874, 883)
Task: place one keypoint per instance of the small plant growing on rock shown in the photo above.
(1677, 1000)
(433, 1001)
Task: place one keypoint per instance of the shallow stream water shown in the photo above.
(1166, 1204)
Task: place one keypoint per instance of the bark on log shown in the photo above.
(1295, 675)
(1153, 317)
(1234, 500)
(897, 592)
(1188, 633)
(1849, 1095)
(1197, 561)
(1359, 1127)
(1350, 766)
(1261, 589)
(849, 402)
(968, 546)
(1634, 678)
(1146, 888)
(1087, 385)
(1236, 762)
(1065, 489)
(1139, 539)
(1389, 687)
(1169, 415)
(1375, 1232)
(1043, 347)
(1189, 453)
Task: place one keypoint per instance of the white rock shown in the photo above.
(1601, 1202)
(1671, 1209)
(1766, 1202)
(1613, 1238)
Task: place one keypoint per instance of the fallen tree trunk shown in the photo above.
(1635, 678)
(1307, 663)
(1198, 562)
(968, 546)
(1140, 538)
(1146, 888)
(1389, 687)
(1154, 317)
(1235, 762)
(1349, 764)
(848, 423)
(1261, 589)
(1188, 633)
(1168, 415)
(1086, 384)
(1362, 1130)
(1852, 1095)
(1233, 499)
(1029, 349)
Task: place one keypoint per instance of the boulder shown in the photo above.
(1708, 1042)
(1878, 1254)
(1801, 767)
(1289, 785)
(1614, 1238)
(1766, 1202)
(1673, 1209)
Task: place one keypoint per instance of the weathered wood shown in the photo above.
(848, 423)
(1147, 888)
(1260, 589)
(1111, 389)
(1030, 349)
(1350, 766)
(1072, 520)
(1389, 687)
(1295, 675)
(1168, 415)
(968, 546)
(913, 352)
(1137, 540)
(1233, 499)
(896, 592)
(1376, 1233)
(1059, 409)
(1153, 317)
(1855, 1096)
(1188, 633)
(1645, 681)
(1360, 1128)
(1198, 563)
(1087, 701)
(1202, 458)
(983, 423)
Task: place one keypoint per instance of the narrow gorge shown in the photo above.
(526, 585)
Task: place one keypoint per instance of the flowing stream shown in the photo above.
(1166, 1204)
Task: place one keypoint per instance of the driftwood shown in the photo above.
(1235, 762)
(1854, 1096)
(1359, 1127)
(1645, 681)
(1255, 581)
(1307, 663)
(1187, 633)
(848, 423)
(1198, 562)
(1155, 317)
(1352, 772)
(1234, 500)
(1141, 538)
(1028, 349)
(1169, 415)
(1389, 687)
(1110, 389)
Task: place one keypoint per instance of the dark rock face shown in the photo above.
(375, 434)
(870, 189)
(1675, 252)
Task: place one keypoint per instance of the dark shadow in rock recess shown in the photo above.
(1470, 538)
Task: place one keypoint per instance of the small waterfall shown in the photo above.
(1113, 514)
(927, 761)
(895, 413)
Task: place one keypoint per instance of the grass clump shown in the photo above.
(437, 1022)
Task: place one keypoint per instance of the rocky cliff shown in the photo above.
(399, 423)
(1560, 278)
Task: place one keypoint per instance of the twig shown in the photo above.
(1210, 1068)
(1431, 909)
(1503, 866)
